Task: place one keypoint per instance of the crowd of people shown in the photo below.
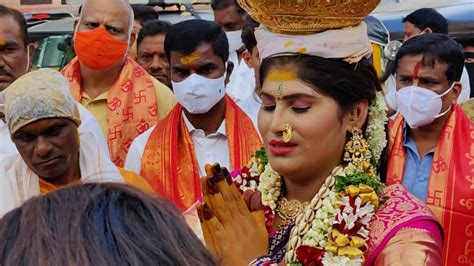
(235, 142)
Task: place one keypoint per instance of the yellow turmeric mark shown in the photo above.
(190, 58)
(289, 44)
(281, 75)
(302, 50)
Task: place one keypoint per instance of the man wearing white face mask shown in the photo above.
(419, 22)
(206, 126)
(231, 18)
(431, 149)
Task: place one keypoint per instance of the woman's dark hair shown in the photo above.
(346, 83)
(99, 224)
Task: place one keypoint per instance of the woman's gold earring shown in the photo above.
(288, 133)
(357, 152)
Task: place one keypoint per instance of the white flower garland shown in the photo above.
(375, 132)
(336, 208)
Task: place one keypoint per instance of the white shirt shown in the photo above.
(88, 124)
(210, 149)
(241, 87)
(465, 91)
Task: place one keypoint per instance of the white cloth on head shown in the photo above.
(19, 182)
(213, 148)
(88, 124)
(350, 44)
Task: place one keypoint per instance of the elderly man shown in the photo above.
(15, 61)
(123, 97)
(42, 118)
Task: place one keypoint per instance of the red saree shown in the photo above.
(169, 164)
(451, 185)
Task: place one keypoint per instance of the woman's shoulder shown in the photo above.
(400, 210)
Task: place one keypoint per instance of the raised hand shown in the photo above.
(233, 229)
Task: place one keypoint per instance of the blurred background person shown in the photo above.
(151, 50)
(141, 14)
(231, 18)
(99, 224)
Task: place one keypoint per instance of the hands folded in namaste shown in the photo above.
(233, 224)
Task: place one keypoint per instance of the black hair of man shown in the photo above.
(143, 13)
(186, 36)
(152, 28)
(428, 18)
(18, 17)
(435, 48)
(465, 42)
(224, 4)
(248, 34)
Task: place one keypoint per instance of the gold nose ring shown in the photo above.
(288, 133)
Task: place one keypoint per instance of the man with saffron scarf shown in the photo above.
(432, 140)
(123, 97)
(43, 121)
(205, 127)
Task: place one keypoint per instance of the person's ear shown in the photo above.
(427, 30)
(357, 117)
(247, 58)
(133, 38)
(457, 88)
(75, 23)
(228, 71)
(31, 54)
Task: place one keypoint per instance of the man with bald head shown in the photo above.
(123, 97)
(15, 61)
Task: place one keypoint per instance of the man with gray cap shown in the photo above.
(42, 117)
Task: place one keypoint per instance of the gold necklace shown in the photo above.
(288, 210)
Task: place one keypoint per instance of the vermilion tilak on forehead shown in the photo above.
(416, 70)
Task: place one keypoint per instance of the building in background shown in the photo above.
(28, 4)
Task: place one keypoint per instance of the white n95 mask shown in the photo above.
(420, 106)
(235, 40)
(198, 94)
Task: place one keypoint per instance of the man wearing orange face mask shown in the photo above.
(123, 97)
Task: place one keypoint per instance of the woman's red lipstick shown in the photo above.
(278, 147)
